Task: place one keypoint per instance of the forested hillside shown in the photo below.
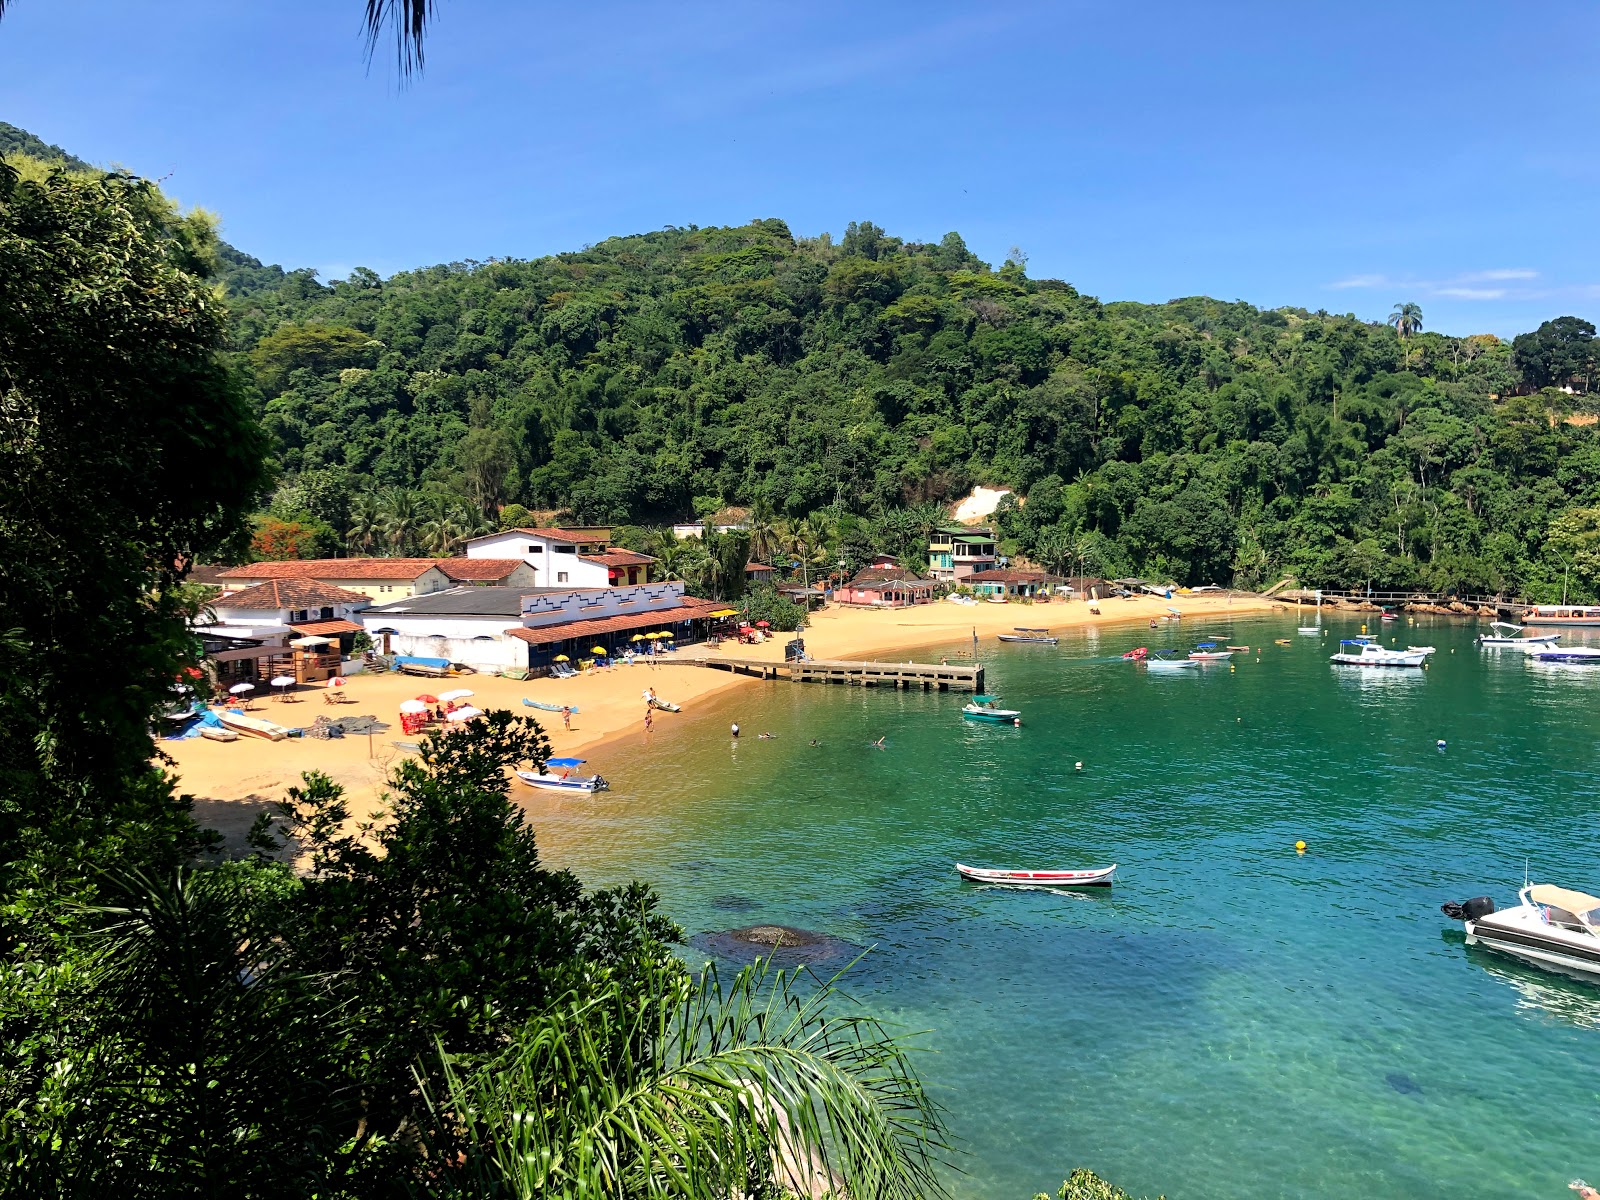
(651, 377)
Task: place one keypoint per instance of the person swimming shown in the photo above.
(878, 745)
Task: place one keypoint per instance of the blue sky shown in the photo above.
(1332, 156)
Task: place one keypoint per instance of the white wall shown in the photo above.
(458, 643)
(549, 562)
(554, 608)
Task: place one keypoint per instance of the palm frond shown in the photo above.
(409, 21)
(695, 1090)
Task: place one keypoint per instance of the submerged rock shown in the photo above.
(1403, 1083)
(733, 902)
(783, 944)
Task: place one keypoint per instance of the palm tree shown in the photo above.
(441, 528)
(366, 523)
(679, 1087)
(399, 519)
(763, 531)
(1407, 320)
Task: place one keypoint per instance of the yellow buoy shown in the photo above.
(1299, 847)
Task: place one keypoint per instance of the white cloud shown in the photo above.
(1509, 273)
(1362, 281)
(1467, 285)
(1470, 293)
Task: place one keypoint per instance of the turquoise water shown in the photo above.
(1232, 1019)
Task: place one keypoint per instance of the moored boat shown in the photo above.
(1562, 614)
(1366, 652)
(1207, 652)
(1094, 877)
(1586, 655)
(1509, 638)
(252, 726)
(1040, 636)
(564, 782)
(1161, 661)
(987, 708)
(1549, 926)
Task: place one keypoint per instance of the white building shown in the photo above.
(562, 558)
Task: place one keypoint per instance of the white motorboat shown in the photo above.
(565, 781)
(1024, 634)
(1207, 652)
(1550, 926)
(1367, 652)
(1162, 661)
(1588, 656)
(1509, 638)
(1423, 649)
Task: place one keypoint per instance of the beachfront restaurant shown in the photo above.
(1011, 584)
(581, 629)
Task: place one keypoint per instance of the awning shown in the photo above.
(1560, 897)
(690, 610)
(326, 628)
(724, 612)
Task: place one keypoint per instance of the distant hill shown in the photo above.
(20, 141)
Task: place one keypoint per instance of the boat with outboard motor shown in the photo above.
(1023, 634)
(565, 782)
(1585, 655)
(1549, 926)
(1366, 652)
(1207, 652)
(1094, 877)
(987, 708)
(1164, 661)
(1509, 638)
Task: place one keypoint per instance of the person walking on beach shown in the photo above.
(648, 722)
(566, 717)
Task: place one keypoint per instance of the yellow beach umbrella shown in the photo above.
(638, 637)
(561, 658)
(597, 649)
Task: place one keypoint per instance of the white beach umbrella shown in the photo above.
(239, 689)
(338, 681)
(457, 694)
(413, 706)
(463, 714)
(283, 681)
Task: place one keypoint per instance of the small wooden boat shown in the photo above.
(540, 704)
(987, 708)
(564, 782)
(665, 705)
(1283, 641)
(1423, 649)
(215, 734)
(1040, 636)
(1240, 649)
(252, 726)
(1095, 877)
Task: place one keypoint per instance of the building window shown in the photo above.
(532, 549)
(327, 614)
(297, 616)
(561, 576)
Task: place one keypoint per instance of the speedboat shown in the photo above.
(1208, 652)
(1509, 639)
(564, 782)
(1041, 636)
(1549, 926)
(1587, 655)
(1094, 877)
(987, 708)
(1163, 661)
(1366, 652)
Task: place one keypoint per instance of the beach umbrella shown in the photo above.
(597, 650)
(240, 689)
(413, 706)
(427, 699)
(561, 658)
(463, 714)
(638, 637)
(457, 694)
(283, 681)
(763, 624)
(338, 681)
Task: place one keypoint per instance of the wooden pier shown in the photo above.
(926, 676)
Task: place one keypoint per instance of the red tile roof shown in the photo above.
(325, 628)
(690, 609)
(1005, 575)
(333, 568)
(755, 566)
(560, 535)
(479, 568)
(618, 558)
(291, 594)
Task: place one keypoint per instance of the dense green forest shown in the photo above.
(653, 377)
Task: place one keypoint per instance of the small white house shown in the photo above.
(561, 558)
(304, 605)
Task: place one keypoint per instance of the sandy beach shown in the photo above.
(233, 781)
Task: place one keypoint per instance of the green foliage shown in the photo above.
(1084, 1184)
(128, 453)
(765, 603)
(1556, 353)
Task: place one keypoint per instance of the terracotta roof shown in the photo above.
(755, 566)
(1005, 575)
(560, 535)
(289, 593)
(871, 575)
(690, 609)
(479, 568)
(333, 568)
(325, 628)
(618, 558)
(211, 576)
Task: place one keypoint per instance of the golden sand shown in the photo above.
(232, 781)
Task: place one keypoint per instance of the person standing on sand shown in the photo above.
(647, 719)
(566, 717)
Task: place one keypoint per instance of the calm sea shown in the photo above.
(1232, 1019)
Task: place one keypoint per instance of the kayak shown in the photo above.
(1095, 877)
(548, 707)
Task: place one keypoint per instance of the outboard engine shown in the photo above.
(1468, 910)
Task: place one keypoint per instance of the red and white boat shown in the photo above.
(1095, 877)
